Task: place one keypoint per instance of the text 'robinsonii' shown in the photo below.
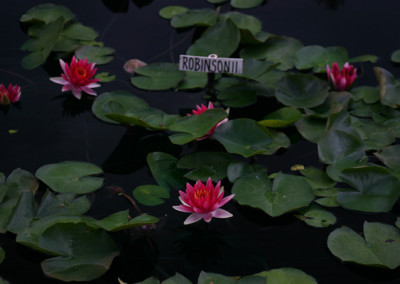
(210, 64)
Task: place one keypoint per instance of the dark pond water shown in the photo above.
(54, 128)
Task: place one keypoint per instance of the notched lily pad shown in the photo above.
(315, 216)
(95, 54)
(71, 177)
(150, 195)
(171, 11)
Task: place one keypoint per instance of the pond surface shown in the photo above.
(51, 127)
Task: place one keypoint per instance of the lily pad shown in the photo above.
(281, 118)
(288, 193)
(200, 17)
(157, 76)
(207, 278)
(245, 4)
(71, 177)
(164, 170)
(301, 90)
(315, 216)
(84, 254)
(196, 126)
(221, 39)
(116, 102)
(121, 221)
(311, 127)
(390, 156)
(150, 195)
(238, 96)
(79, 32)
(244, 22)
(389, 88)
(17, 182)
(23, 213)
(318, 179)
(287, 275)
(240, 169)
(171, 11)
(375, 189)
(193, 80)
(369, 95)
(318, 57)
(95, 54)
(47, 13)
(381, 246)
(395, 57)
(204, 165)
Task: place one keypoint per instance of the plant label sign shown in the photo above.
(210, 64)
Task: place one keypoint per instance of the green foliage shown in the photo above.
(95, 54)
(150, 195)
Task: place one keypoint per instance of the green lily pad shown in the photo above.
(369, 95)
(238, 96)
(318, 57)
(389, 88)
(381, 246)
(207, 278)
(311, 127)
(61, 204)
(281, 118)
(204, 165)
(315, 216)
(17, 182)
(317, 178)
(79, 32)
(105, 77)
(121, 221)
(200, 17)
(253, 69)
(364, 58)
(23, 214)
(150, 195)
(47, 13)
(193, 80)
(280, 50)
(246, 137)
(288, 193)
(71, 177)
(84, 254)
(240, 169)
(287, 275)
(164, 169)
(95, 54)
(245, 4)
(390, 156)
(221, 39)
(375, 189)
(2, 254)
(356, 159)
(301, 90)
(177, 279)
(116, 102)
(327, 201)
(195, 126)
(244, 22)
(171, 11)
(157, 76)
(397, 224)
(395, 57)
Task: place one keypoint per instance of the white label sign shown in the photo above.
(211, 64)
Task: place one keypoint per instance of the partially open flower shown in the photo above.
(203, 201)
(9, 95)
(77, 77)
(200, 110)
(341, 80)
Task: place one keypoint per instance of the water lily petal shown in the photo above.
(225, 200)
(59, 80)
(221, 213)
(194, 217)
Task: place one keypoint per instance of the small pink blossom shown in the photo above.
(341, 80)
(9, 95)
(203, 201)
(77, 77)
(200, 110)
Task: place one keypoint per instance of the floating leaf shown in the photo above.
(79, 32)
(318, 57)
(221, 39)
(244, 22)
(105, 77)
(122, 221)
(280, 50)
(47, 13)
(368, 94)
(245, 4)
(201, 17)
(150, 195)
(311, 127)
(395, 57)
(23, 213)
(171, 11)
(364, 58)
(238, 96)
(158, 76)
(17, 182)
(207, 278)
(164, 170)
(287, 275)
(195, 126)
(288, 193)
(71, 176)
(281, 118)
(390, 156)
(375, 189)
(116, 102)
(84, 254)
(246, 137)
(205, 165)
(95, 54)
(193, 80)
(389, 88)
(381, 246)
(315, 216)
(301, 90)
(241, 169)
(177, 279)
(61, 204)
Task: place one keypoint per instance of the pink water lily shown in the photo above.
(203, 201)
(9, 95)
(199, 110)
(78, 77)
(341, 80)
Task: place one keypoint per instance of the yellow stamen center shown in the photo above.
(200, 193)
(81, 71)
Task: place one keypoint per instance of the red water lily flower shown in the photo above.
(77, 77)
(341, 80)
(200, 110)
(203, 201)
(9, 95)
